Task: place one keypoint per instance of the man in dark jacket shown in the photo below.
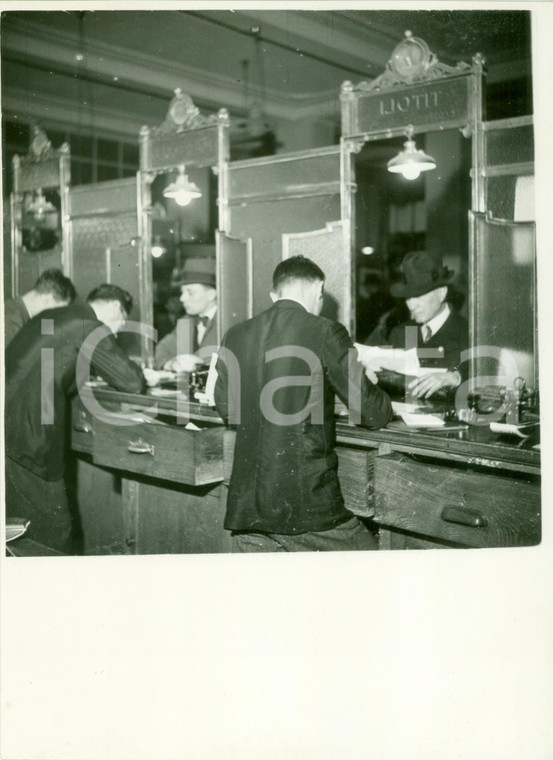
(51, 291)
(41, 380)
(434, 327)
(278, 374)
(198, 329)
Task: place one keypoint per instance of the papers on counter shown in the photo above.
(523, 430)
(155, 376)
(375, 358)
(422, 420)
(412, 416)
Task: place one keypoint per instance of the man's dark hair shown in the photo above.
(108, 292)
(54, 282)
(296, 268)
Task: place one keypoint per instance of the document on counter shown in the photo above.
(376, 358)
(413, 416)
(421, 419)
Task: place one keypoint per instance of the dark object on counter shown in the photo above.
(520, 404)
(198, 379)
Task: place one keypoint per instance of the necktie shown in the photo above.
(426, 333)
(201, 327)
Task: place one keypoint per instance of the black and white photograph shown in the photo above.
(273, 283)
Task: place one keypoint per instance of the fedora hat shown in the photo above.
(198, 270)
(421, 273)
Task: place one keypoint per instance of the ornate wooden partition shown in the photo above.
(326, 248)
(186, 138)
(104, 245)
(39, 238)
(273, 199)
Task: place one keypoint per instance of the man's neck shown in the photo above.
(31, 303)
(293, 297)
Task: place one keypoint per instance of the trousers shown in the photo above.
(348, 536)
(43, 502)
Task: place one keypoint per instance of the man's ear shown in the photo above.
(274, 297)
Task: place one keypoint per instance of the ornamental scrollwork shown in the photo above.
(402, 69)
(183, 115)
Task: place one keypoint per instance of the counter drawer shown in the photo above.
(462, 507)
(192, 457)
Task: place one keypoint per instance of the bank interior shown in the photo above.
(286, 124)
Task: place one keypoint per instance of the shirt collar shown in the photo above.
(209, 313)
(438, 321)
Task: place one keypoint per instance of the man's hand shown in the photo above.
(425, 386)
(154, 376)
(373, 377)
(183, 363)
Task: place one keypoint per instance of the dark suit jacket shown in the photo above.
(167, 347)
(285, 477)
(452, 337)
(41, 447)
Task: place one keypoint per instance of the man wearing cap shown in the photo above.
(433, 326)
(177, 351)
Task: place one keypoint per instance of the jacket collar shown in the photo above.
(288, 303)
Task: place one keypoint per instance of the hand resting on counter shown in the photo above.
(428, 384)
(183, 363)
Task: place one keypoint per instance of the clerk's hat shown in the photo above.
(421, 273)
(195, 270)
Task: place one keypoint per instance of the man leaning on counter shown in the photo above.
(41, 378)
(284, 492)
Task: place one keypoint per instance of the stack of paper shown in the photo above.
(422, 420)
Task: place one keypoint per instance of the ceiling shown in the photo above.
(115, 70)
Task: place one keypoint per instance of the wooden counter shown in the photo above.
(147, 484)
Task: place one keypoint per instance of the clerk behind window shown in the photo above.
(434, 324)
(198, 329)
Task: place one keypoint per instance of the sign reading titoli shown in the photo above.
(446, 101)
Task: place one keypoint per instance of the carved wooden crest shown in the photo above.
(411, 62)
(182, 115)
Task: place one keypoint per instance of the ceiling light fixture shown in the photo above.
(182, 190)
(411, 162)
(39, 206)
